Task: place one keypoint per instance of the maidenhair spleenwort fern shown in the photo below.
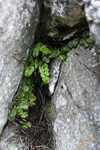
(39, 59)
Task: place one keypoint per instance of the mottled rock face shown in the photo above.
(92, 11)
(10, 139)
(63, 13)
(18, 21)
(68, 13)
(77, 102)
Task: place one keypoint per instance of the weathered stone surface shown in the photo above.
(64, 15)
(11, 140)
(77, 102)
(92, 11)
(18, 21)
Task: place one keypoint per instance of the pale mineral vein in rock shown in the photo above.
(54, 74)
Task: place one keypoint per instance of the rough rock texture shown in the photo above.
(76, 100)
(18, 21)
(67, 16)
(92, 11)
(11, 140)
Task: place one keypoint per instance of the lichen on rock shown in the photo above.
(76, 123)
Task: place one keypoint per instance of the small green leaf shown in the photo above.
(30, 58)
(46, 59)
(37, 49)
(19, 111)
(44, 72)
(63, 57)
(45, 50)
(21, 122)
(31, 103)
(85, 34)
(12, 115)
(28, 82)
(90, 41)
(32, 97)
(40, 64)
(21, 93)
(73, 43)
(36, 63)
(24, 115)
(26, 88)
(84, 43)
(28, 124)
(51, 34)
(55, 52)
(29, 70)
(46, 80)
(24, 105)
(66, 48)
(30, 89)
(24, 127)
(11, 118)
(54, 32)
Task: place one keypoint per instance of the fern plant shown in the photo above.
(39, 58)
(25, 99)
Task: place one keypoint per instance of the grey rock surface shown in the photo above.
(18, 21)
(92, 11)
(65, 14)
(11, 139)
(76, 100)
